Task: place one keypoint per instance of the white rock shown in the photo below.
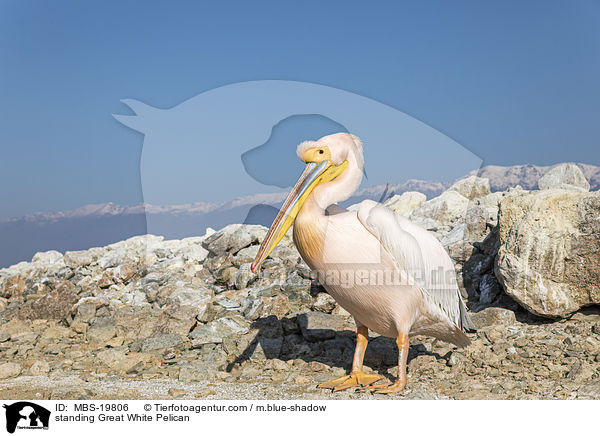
(9, 370)
(109, 261)
(243, 276)
(564, 176)
(549, 254)
(134, 298)
(149, 259)
(174, 264)
(445, 209)
(471, 187)
(39, 367)
(194, 252)
(48, 257)
(455, 235)
(76, 259)
(407, 202)
(233, 238)
(491, 203)
(193, 240)
(191, 296)
(215, 331)
(247, 254)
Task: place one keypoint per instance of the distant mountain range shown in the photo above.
(528, 175)
(101, 224)
(429, 188)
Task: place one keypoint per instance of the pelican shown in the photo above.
(391, 275)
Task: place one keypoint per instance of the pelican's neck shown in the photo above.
(340, 188)
(311, 222)
(309, 231)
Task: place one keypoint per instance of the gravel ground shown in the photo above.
(116, 388)
(507, 359)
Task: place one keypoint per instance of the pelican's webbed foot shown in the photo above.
(357, 379)
(386, 388)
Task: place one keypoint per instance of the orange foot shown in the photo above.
(386, 388)
(352, 380)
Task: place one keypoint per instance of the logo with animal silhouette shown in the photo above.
(239, 142)
(26, 415)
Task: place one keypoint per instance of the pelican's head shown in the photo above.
(334, 148)
(326, 159)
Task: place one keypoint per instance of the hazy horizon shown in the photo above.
(280, 192)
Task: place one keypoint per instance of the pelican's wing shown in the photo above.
(419, 254)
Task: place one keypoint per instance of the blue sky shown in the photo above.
(514, 82)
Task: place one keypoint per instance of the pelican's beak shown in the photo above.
(313, 175)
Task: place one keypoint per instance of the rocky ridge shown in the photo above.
(154, 318)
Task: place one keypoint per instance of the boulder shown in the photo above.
(76, 259)
(134, 298)
(9, 370)
(120, 361)
(490, 203)
(53, 305)
(454, 236)
(471, 187)
(187, 249)
(125, 271)
(476, 220)
(85, 312)
(549, 255)
(39, 367)
(233, 238)
(160, 342)
(564, 176)
(137, 323)
(246, 255)
(407, 202)
(51, 257)
(13, 286)
(102, 330)
(444, 210)
(215, 331)
(243, 276)
(324, 302)
(196, 372)
(109, 261)
(191, 296)
(56, 332)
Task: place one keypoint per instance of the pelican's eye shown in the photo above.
(316, 154)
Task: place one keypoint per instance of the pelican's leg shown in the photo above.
(356, 378)
(398, 385)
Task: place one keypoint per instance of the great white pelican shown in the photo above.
(393, 276)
